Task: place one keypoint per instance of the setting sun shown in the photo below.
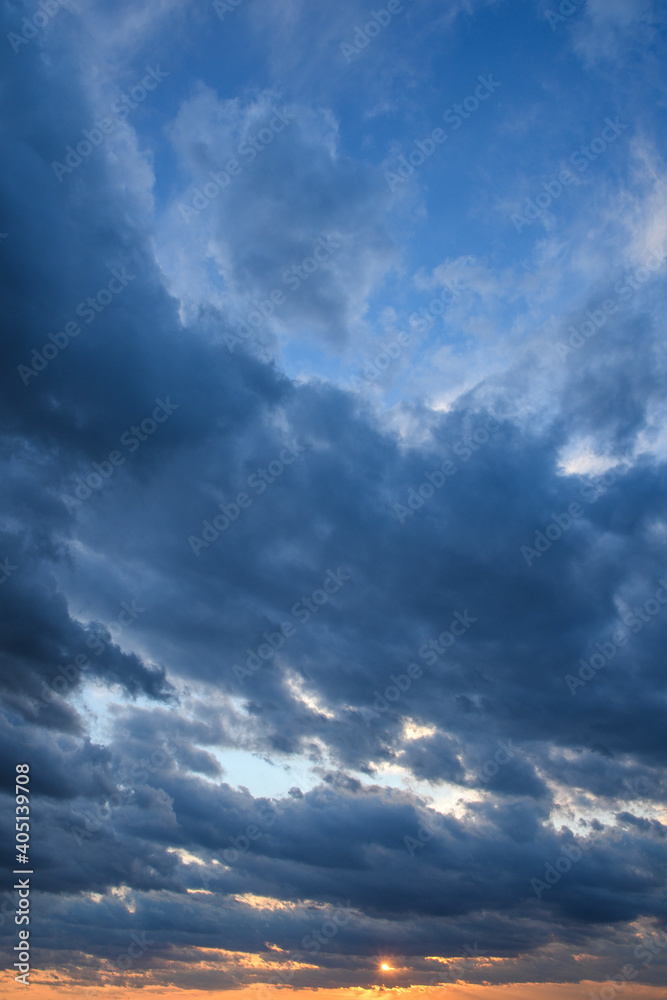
(385, 967)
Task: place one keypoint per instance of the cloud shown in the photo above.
(403, 808)
(289, 187)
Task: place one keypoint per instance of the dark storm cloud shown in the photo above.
(332, 847)
(117, 810)
(46, 652)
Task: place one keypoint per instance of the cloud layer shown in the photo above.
(404, 695)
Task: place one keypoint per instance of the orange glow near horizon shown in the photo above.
(63, 989)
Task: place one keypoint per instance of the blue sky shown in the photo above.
(333, 466)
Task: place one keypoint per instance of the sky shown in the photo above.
(333, 548)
